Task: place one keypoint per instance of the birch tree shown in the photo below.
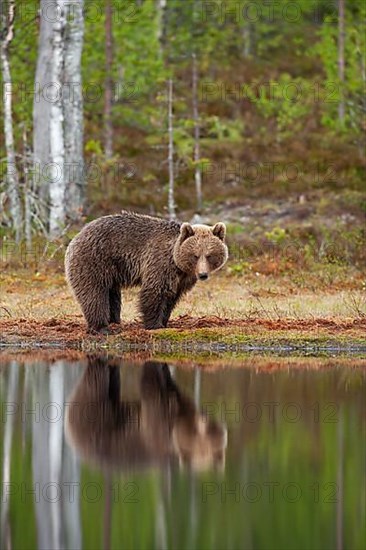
(57, 182)
(58, 112)
(41, 106)
(12, 179)
(28, 191)
(73, 110)
(196, 147)
(171, 200)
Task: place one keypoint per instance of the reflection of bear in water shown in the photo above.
(162, 427)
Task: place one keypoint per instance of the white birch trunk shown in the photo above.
(28, 191)
(28, 211)
(58, 114)
(42, 108)
(171, 201)
(12, 173)
(197, 152)
(73, 110)
(57, 183)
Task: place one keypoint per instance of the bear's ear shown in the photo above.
(219, 230)
(186, 231)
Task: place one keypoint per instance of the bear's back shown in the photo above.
(121, 235)
(134, 230)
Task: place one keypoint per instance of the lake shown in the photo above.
(112, 452)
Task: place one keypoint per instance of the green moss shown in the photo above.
(201, 342)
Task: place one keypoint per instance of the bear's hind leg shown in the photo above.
(115, 304)
(95, 307)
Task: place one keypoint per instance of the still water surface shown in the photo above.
(107, 453)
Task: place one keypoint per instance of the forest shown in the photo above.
(263, 87)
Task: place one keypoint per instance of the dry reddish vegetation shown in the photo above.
(71, 332)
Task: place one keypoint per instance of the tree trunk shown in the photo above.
(161, 7)
(247, 40)
(58, 114)
(197, 152)
(57, 183)
(341, 37)
(73, 110)
(12, 173)
(108, 92)
(42, 109)
(28, 191)
(171, 201)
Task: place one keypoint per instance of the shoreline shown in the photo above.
(193, 336)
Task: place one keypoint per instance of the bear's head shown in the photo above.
(201, 249)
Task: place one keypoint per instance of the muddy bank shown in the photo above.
(190, 334)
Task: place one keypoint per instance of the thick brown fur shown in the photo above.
(162, 426)
(164, 257)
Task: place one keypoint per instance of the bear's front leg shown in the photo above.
(115, 304)
(170, 303)
(154, 306)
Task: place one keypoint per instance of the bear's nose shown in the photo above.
(203, 276)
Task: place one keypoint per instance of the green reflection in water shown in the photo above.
(147, 469)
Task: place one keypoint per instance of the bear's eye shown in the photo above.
(196, 257)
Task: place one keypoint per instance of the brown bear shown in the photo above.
(162, 427)
(165, 258)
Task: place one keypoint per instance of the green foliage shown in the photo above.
(239, 268)
(93, 146)
(137, 62)
(23, 58)
(233, 229)
(277, 235)
(353, 89)
(288, 100)
(224, 130)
